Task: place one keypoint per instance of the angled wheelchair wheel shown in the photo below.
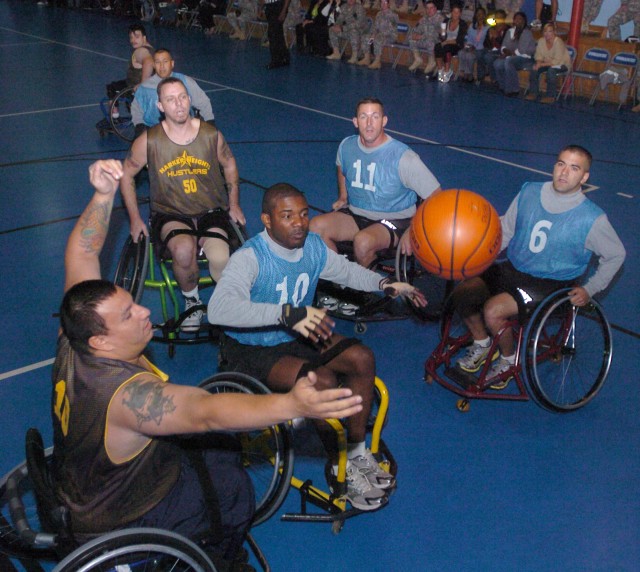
(122, 124)
(131, 271)
(452, 326)
(567, 354)
(267, 453)
(434, 288)
(147, 549)
(21, 533)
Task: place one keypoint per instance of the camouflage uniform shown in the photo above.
(428, 28)
(629, 10)
(353, 21)
(591, 10)
(509, 6)
(384, 31)
(248, 11)
(295, 15)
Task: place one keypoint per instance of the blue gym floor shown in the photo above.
(507, 486)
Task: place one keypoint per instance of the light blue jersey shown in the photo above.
(373, 178)
(549, 245)
(282, 282)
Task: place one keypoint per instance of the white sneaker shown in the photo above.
(535, 24)
(474, 358)
(192, 322)
(447, 76)
(499, 367)
(347, 309)
(374, 473)
(440, 74)
(328, 303)
(360, 493)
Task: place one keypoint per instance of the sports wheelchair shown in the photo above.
(363, 307)
(117, 116)
(34, 528)
(563, 356)
(268, 456)
(143, 264)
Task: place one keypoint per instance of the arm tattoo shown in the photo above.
(94, 226)
(226, 151)
(147, 401)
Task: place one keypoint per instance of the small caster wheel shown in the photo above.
(336, 526)
(171, 350)
(360, 328)
(428, 379)
(463, 405)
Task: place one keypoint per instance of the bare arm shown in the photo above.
(82, 255)
(343, 197)
(230, 168)
(133, 164)
(147, 407)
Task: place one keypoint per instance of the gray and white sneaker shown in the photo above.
(497, 369)
(192, 322)
(474, 358)
(347, 309)
(374, 473)
(328, 303)
(360, 493)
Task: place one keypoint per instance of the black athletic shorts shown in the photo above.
(216, 218)
(258, 361)
(528, 291)
(396, 227)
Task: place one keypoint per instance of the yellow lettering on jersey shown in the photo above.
(184, 163)
(61, 406)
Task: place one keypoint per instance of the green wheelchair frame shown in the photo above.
(268, 456)
(141, 266)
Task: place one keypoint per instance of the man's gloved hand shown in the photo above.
(308, 321)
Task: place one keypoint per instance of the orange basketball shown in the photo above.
(456, 234)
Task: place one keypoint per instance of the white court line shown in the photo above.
(36, 111)
(26, 368)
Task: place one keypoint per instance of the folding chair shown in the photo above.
(401, 42)
(592, 64)
(620, 63)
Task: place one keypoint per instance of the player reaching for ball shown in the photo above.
(379, 182)
(551, 230)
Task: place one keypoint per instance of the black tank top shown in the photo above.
(185, 179)
(101, 495)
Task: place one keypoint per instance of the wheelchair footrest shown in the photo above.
(463, 378)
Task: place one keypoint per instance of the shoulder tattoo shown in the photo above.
(147, 401)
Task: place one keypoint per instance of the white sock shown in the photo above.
(192, 294)
(483, 343)
(510, 359)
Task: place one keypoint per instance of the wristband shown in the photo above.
(292, 315)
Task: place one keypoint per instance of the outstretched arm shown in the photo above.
(82, 256)
(343, 197)
(147, 407)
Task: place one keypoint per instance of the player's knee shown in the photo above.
(318, 224)
(362, 361)
(182, 252)
(365, 247)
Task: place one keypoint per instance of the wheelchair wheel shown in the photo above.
(21, 534)
(131, 271)
(435, 289)
(137, 549)
(568, 353)
(122, 124)
(267, 454)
